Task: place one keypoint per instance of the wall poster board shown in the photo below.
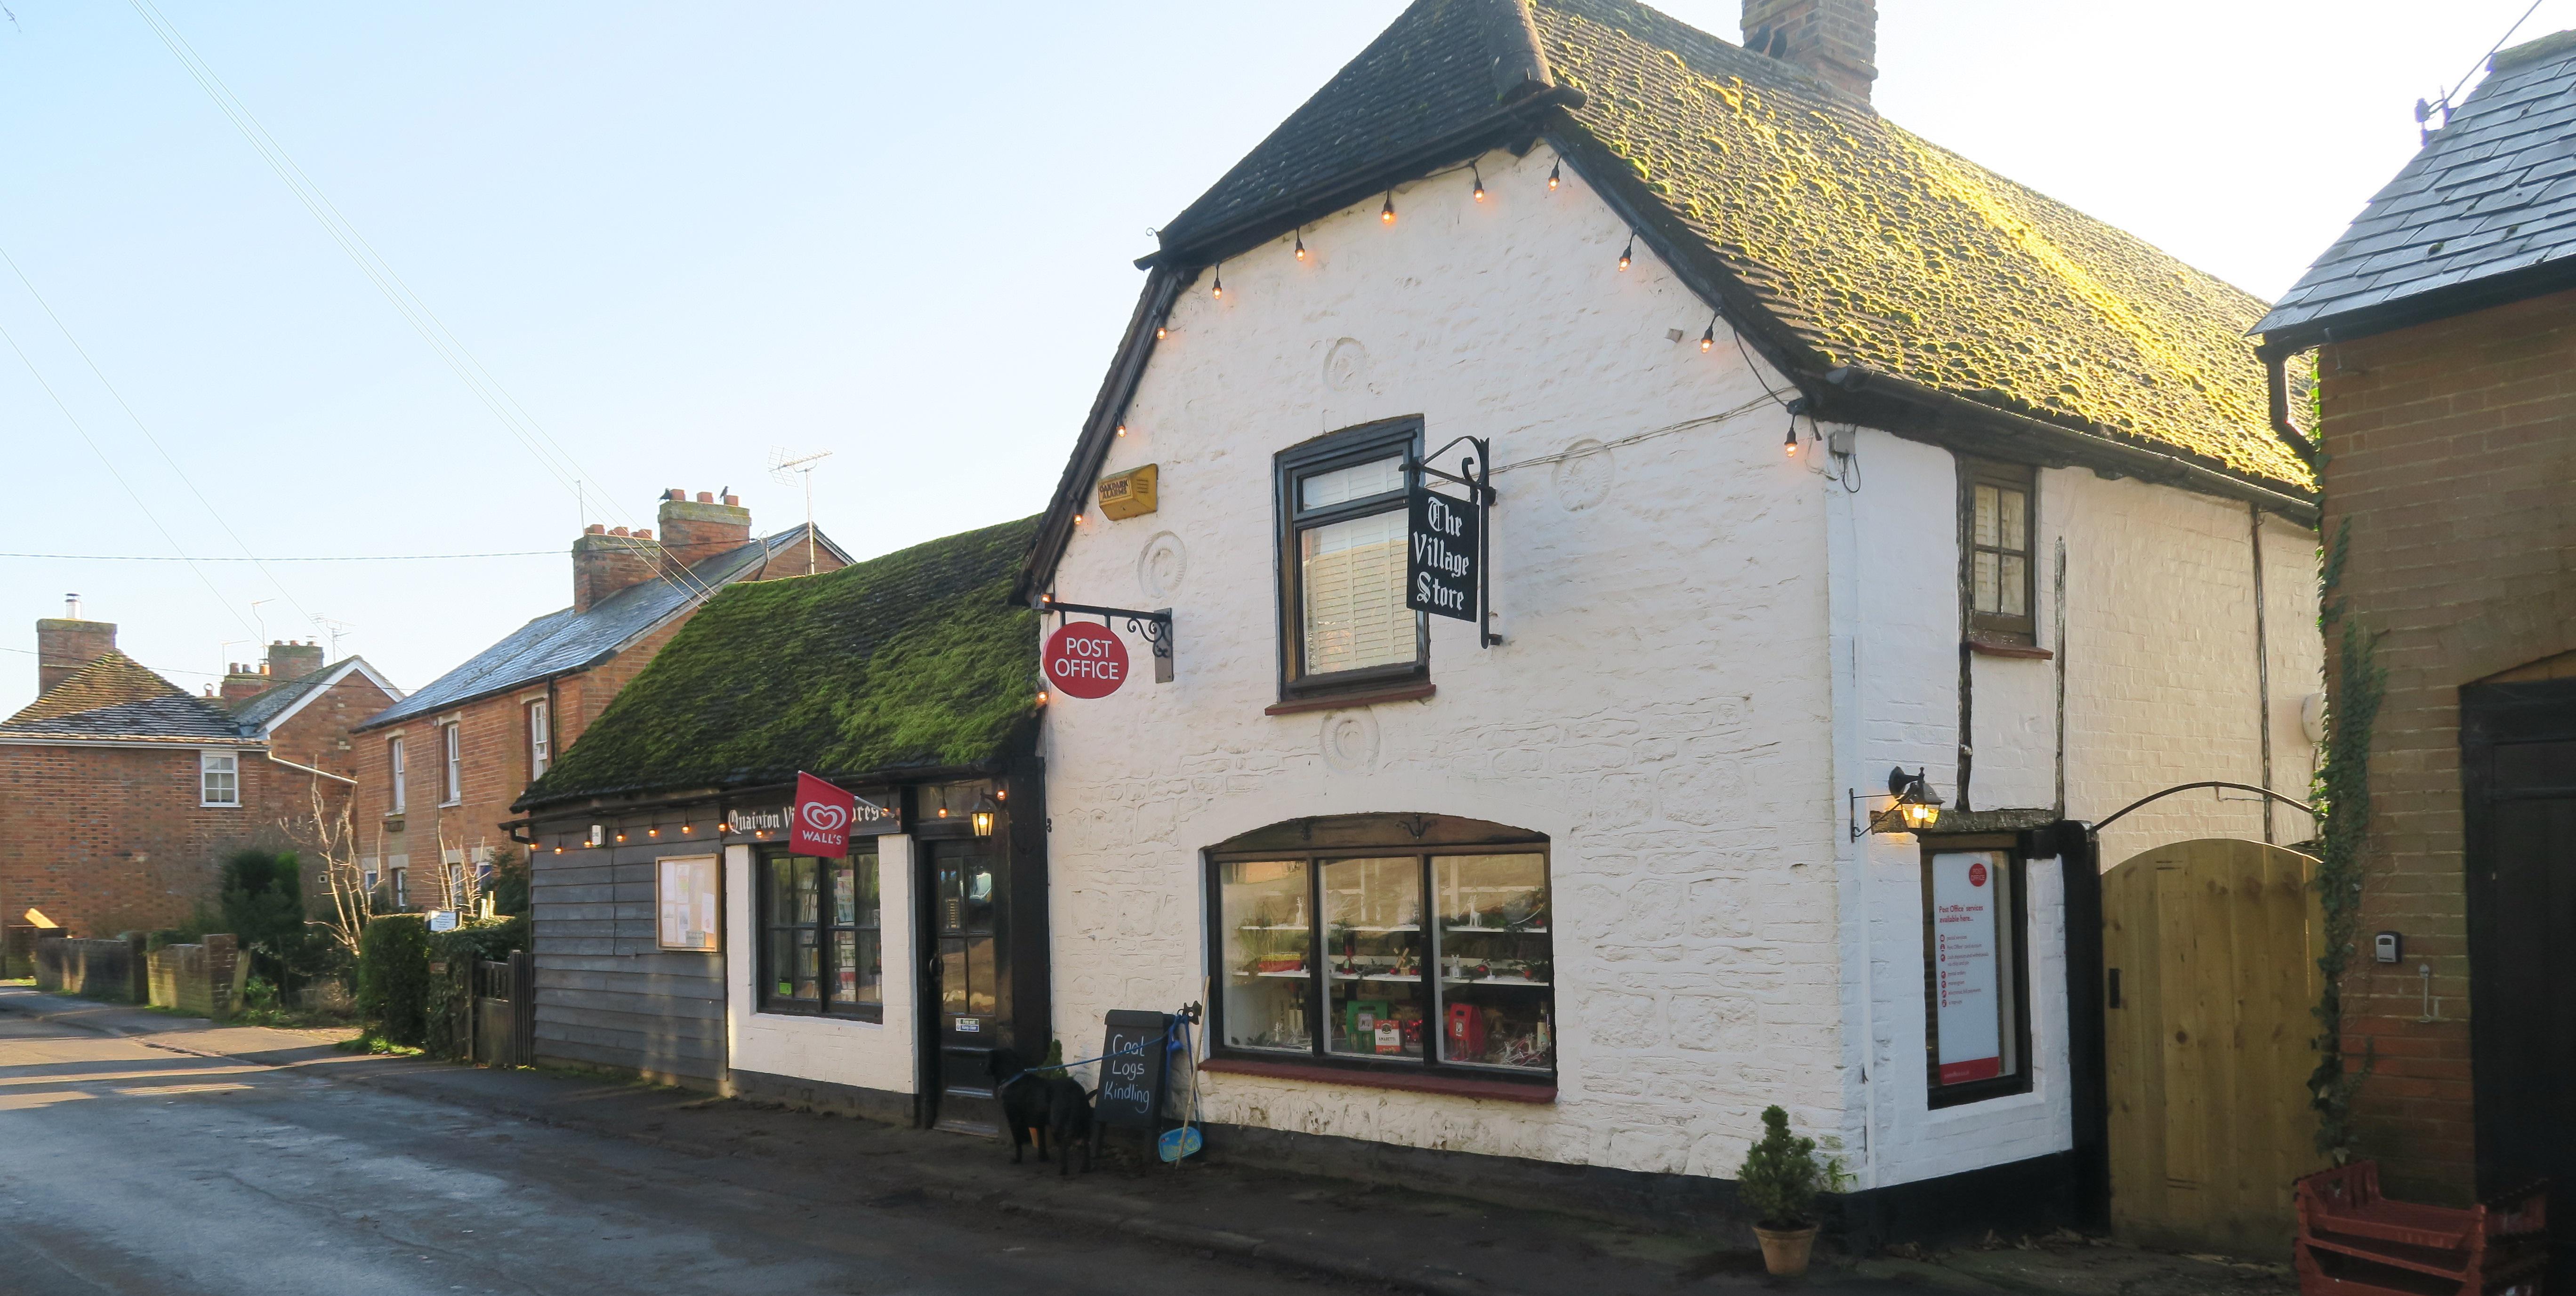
(1971, 931)
(685, 898)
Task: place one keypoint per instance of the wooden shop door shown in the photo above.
(2209, 960)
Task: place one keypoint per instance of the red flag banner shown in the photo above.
(822, 818)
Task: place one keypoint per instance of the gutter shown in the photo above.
(2276, 365)
(336, 778)
(2084, 447)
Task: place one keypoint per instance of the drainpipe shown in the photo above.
(2276, 362)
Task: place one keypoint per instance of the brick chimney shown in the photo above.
(1836, 40)
(244, 680)
(65, 644)
(701, 528)
(289, 660)
(605, 561)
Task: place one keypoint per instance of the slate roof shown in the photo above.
(566, 640)
(2492, 194)
(1870, 247)
(117, 697)
(913, 661)
(259, 709)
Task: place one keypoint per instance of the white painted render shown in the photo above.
(1709, 642)
(837, 1050)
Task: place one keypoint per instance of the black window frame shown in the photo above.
(768, 931)
(2011, 1083)
(1999, 627)
(1318, 993)
(1290, 467)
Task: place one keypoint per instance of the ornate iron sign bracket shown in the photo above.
(1154, 627)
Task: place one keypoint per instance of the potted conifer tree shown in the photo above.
(1780, 1180)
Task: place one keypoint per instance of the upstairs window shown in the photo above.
(1998, 518)
(218, 778)
(541, 743)
(394, 764)
(451, 778)
(1342, 537)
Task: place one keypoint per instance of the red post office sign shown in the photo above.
(1085, 660)
(822, 818)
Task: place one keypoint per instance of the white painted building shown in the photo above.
(2033, 536)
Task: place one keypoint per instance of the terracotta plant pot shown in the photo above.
(1785, 1251)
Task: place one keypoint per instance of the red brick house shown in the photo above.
(438, 770)
(2444, 327)
(120, 792)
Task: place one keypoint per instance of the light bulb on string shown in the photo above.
(1554, 175)
(1122, 429)
(1301, 245)
(1628, 252)
(1162, 331)
(1708, 338)
(1219, 290)
(1386, 214)
(1790, 443)
(1480, 182)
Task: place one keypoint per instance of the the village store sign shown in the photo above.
(1445, 556)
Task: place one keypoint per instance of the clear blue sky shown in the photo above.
(682, 235)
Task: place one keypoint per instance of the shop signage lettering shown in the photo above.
(1085, 660)
(755, 821)
(1133, 1068)
(873, 815)
(1964, 968)
(1441, 537)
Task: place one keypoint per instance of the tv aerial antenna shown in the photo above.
(786, 470)
(334, 627)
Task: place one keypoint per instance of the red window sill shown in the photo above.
(1343, 701)
(1985, 649)
(1455, 1086)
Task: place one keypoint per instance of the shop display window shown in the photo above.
(820, 935)
(1426, 960)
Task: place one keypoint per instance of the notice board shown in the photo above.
(1966, 964)
(1135, 1068)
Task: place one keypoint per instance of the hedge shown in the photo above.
(393, 979)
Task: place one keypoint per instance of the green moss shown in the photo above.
(915, 660)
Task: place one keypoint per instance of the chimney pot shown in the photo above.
(733, 501)
(643, 533)
(709, 497)
(1834, 40)
(617, 531)
(595, 528)
(71, 607)
(675, 493)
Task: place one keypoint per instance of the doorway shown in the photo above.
(2518, 793)
(2210, 982)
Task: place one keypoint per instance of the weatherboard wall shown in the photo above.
(608, 994)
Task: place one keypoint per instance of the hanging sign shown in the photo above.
(1440, 554)
(1965, 966)
(872, 815)
(823, 814)
(1085, 660)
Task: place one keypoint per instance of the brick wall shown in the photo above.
(2449, 454)
(110, 839)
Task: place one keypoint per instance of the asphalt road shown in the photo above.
(130, 1169)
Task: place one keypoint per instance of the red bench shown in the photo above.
(2354, 1242)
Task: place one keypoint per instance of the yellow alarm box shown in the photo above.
(1128, 494)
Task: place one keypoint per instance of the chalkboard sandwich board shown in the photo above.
(1134, 1068)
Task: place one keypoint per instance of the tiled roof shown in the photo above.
(567, 640)
(2491, 193)
(1871, 247)
(259, 708)
(116, 697)
(911, 661)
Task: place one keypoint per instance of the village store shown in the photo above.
(819, 786)
(1644, 638)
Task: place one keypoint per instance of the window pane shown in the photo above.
(952, 975)
(1352, 574)
(1987, 506)
(1497, 966)
(792, 898)
(2016, 510)
(1984, 595)
(980, 997)
(845, 894)
(1373, 952)
(795, 966)
(1268, 933)
(2016, 585)
(859, 975)
(1359, 481)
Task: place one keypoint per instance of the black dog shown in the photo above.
(1042, 1106)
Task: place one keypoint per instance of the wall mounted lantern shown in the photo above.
(1912, 806)
(985, 812)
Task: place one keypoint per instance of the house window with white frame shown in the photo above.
(394, 764)
(218, 778)
(541, 744)
(1343, 617)
(451, 776)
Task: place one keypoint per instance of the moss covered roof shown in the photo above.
(1869, 246)
(912, 661)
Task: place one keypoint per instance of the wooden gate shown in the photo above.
(2210, 981)
(505, 1011)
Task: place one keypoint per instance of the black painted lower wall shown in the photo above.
(821, 1096)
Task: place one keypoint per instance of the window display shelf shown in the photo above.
(1370, 976)
(1494, 931)
(1378, 931)
(1508, 981)
(1288, 976)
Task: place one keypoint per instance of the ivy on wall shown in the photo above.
(2342, 795)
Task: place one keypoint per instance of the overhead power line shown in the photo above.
(513, 553)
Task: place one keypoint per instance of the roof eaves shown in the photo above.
(1126, 368)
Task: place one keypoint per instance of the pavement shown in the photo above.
(571, 1183)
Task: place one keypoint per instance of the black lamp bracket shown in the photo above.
(1899, 785)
